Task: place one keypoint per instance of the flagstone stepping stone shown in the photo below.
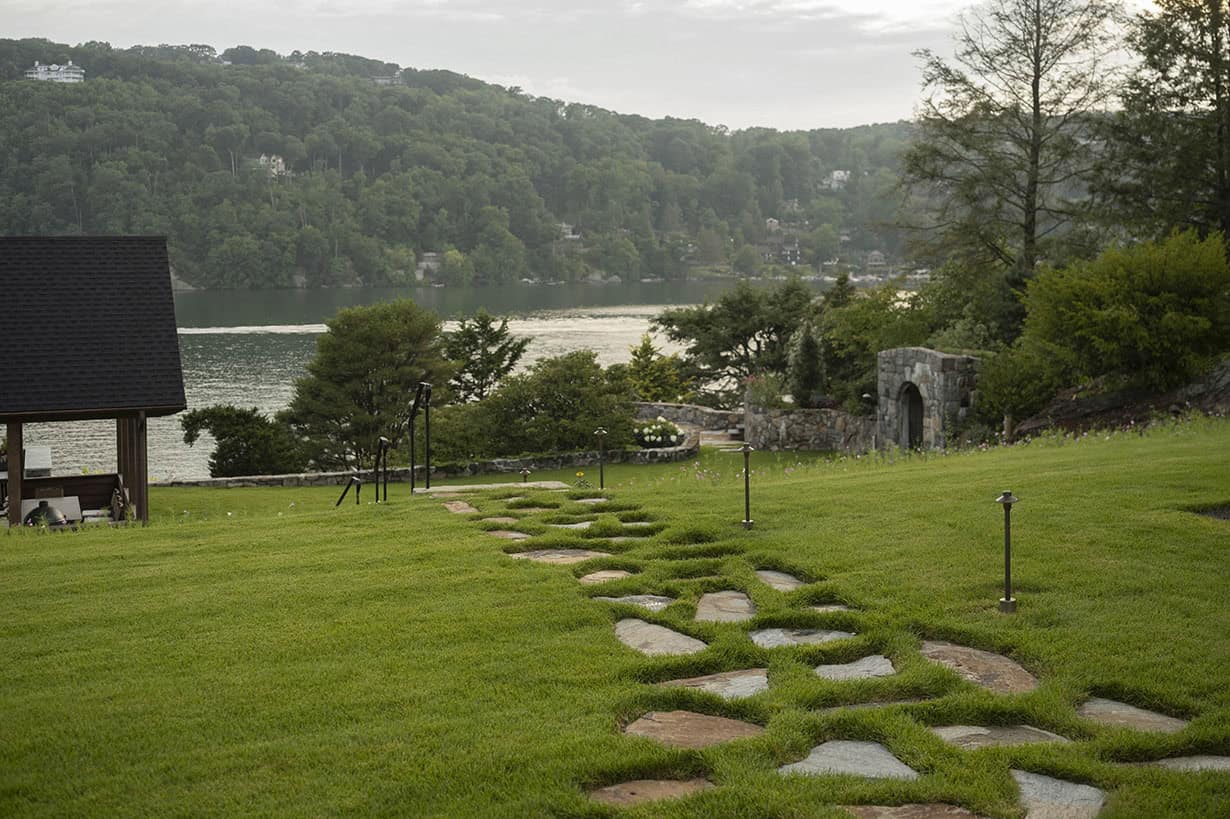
(654, 640)
(1198, 762)
(638, 524)
(778, 637)
(688, 729)
(591, 500)
(653, 602)
(459, 507)
(1045, 797)
(534, 510)
(623, 538)
(991, 671)
(507, 535)
(1122, 715)
(862, 706)
(779, 580)
(825, 608)
(604, 576)
(559, 557)
(877, 665)
(585, 524)
(912, 811)
(973, 737)
(499, 520)
(870, 759)
(731, 685)
(725, 607)
(639, 791)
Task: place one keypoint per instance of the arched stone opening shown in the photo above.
(911, 414)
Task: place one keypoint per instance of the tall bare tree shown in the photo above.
(1002, 154)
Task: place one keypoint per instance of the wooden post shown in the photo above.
(17, 468)
(132, 462)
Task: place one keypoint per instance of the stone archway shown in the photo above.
(922, 394)
(911, 414)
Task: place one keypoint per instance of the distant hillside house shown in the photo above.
(876, 260)
(387, 79)
(837, 180)
(428, 265)
(273, 164)
(56, 73)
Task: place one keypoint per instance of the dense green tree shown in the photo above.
(656, 377)
(361, 382)
(246, 442)
(806, 367)
(1167, 151)
(483, 354)
(746, 331)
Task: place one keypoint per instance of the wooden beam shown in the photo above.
(16, 471)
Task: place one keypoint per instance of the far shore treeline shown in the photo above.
(366, 178)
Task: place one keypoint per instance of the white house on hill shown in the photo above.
(56, 73)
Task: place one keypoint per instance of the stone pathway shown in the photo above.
(779, 580)
(1122, 715)
(687, 729)
(973, 737)
(877, 665)
(912, 811)
(653, 602)
(870, 759)
(1045, 797)
(725, 607)
(993, 672)
(731, 685)
(655, 640)
(778, 637)
(603, 576)
(640, 791)
(1198, 762)
(507, 535)
(1042, 797)
(560, 557)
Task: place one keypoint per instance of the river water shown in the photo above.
(247, 349)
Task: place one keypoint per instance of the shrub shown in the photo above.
(806, 369)
(1018, 382)
(657, 434)
(1153, 315)
(248, 443)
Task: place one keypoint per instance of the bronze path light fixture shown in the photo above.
(747, 451)
(381, 472)
(600, 432)
(357, 483)
(414, 411)
(1007, 604)
(426, 432)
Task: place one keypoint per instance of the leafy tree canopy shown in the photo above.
(483, 353)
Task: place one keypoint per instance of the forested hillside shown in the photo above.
(368, 167)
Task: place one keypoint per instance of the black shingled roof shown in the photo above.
(88, 328)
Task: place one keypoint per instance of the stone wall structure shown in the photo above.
(689, 449)
(808, 429)
(921, 394)
(689, 415)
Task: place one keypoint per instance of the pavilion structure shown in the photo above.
(89, 325)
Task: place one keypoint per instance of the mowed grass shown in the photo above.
(290, 658)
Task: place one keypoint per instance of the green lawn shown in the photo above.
(257, 651)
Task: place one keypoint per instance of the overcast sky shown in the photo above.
(739, 63)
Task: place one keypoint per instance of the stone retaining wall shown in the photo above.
(689, 415)
(689, 449)
(809, 429)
